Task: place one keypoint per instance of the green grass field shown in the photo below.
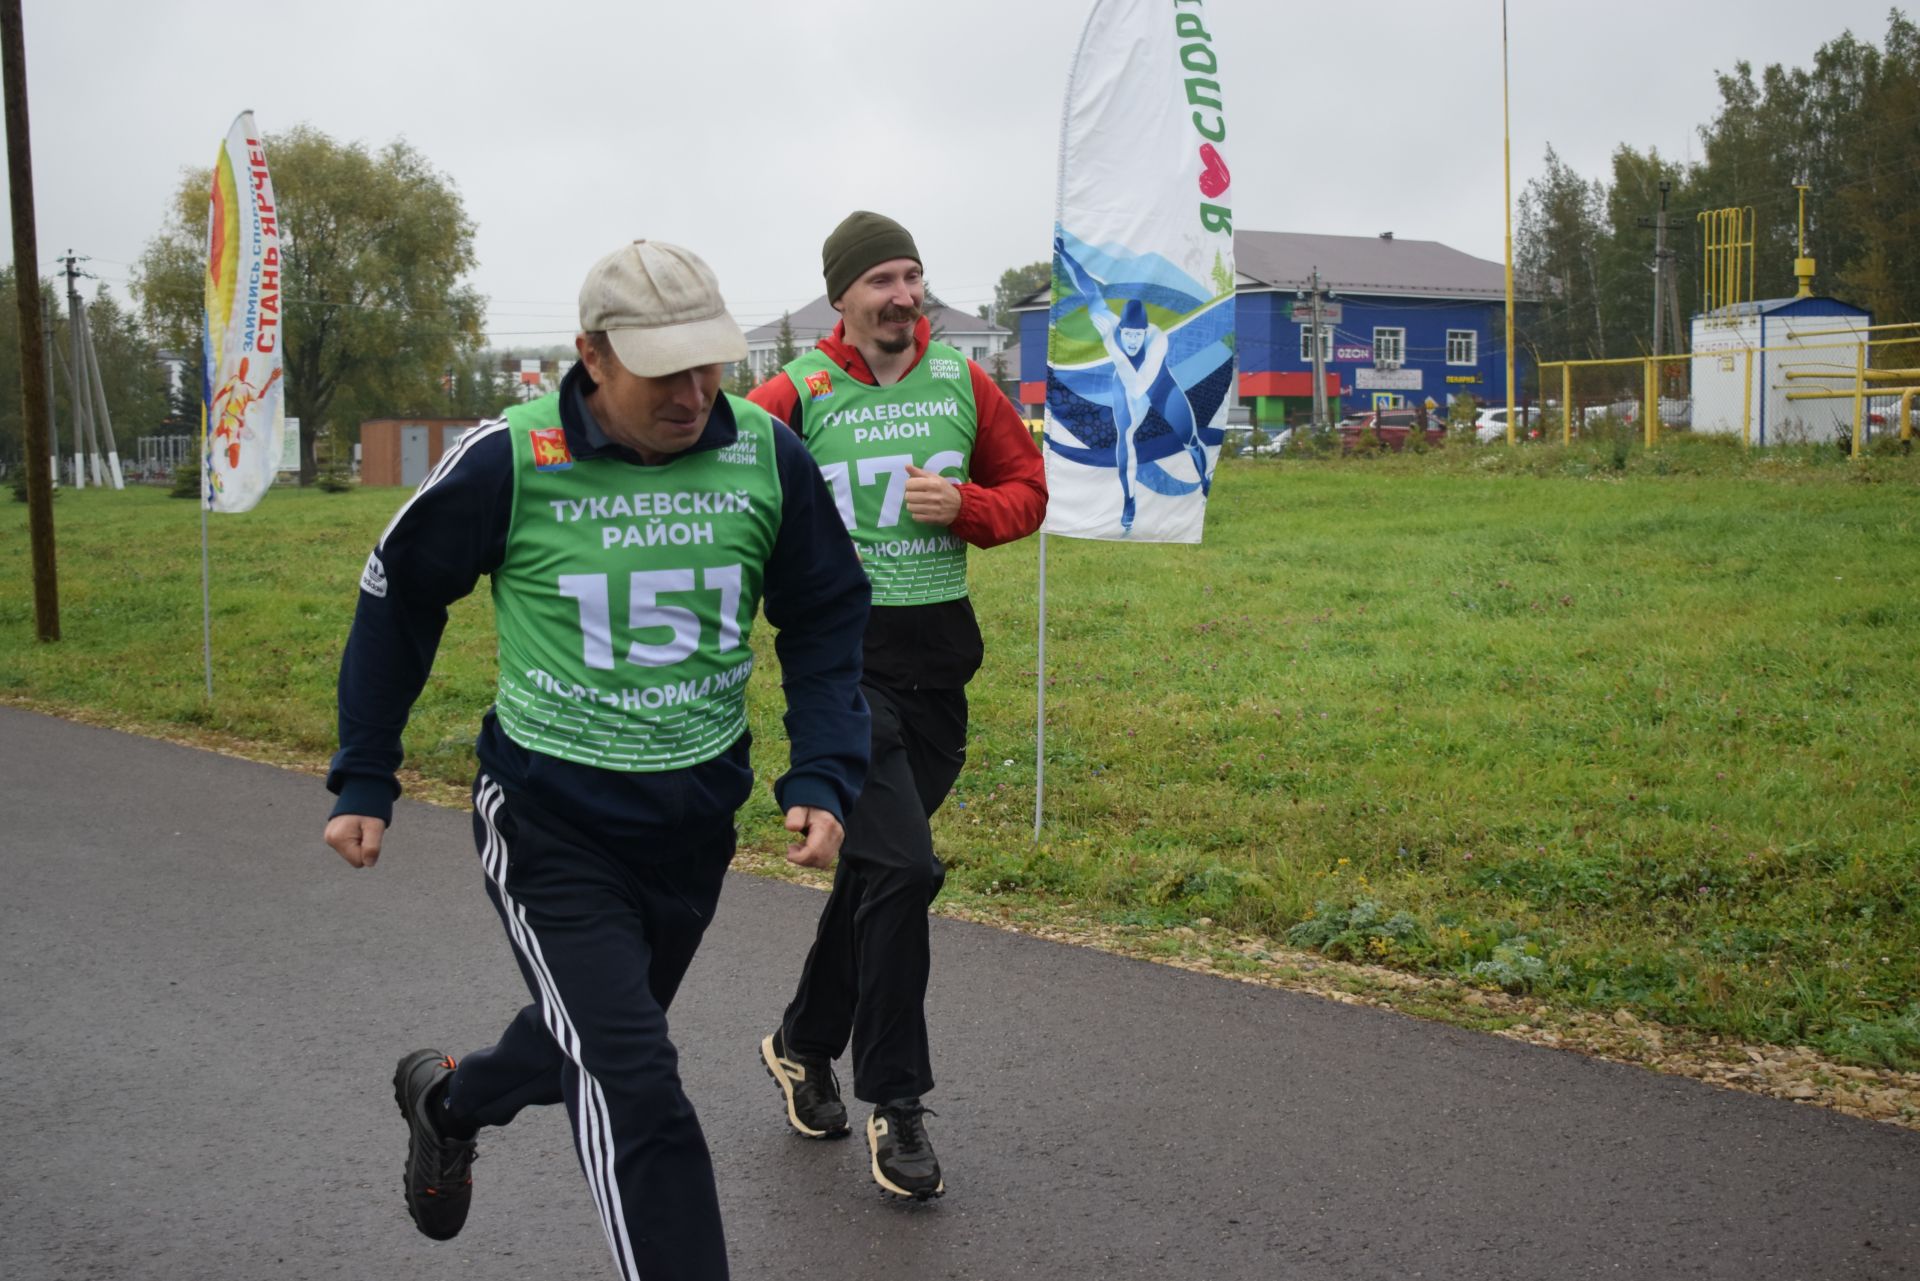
(1638, 737)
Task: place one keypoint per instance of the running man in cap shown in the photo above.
(924, 455)
(631, 523)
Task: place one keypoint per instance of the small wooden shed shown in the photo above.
(401, 451)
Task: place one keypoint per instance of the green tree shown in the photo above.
(784, 348)
(183, 405)
(1624, 250)
(130, 371)
(375, 245)
(740, 379)
(1846, 127)
(1014, 286)
(134, 381)
(1555, 251)
(478, 385)
(1880, 199)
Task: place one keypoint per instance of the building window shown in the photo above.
(1306, 344)
(1463, 347)
(1389, 346)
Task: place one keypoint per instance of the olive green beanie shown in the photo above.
(860, 241)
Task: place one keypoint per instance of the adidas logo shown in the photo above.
(373, 579)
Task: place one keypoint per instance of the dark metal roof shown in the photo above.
(817, 319)
(1366, 265)
(1356, 265)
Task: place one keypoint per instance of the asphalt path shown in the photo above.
(202, 1007)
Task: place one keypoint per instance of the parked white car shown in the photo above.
(1272, 442)
(1276, 442)
(1491, 425)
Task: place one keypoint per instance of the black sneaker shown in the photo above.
(903, 1160)
(439, 1179)
(813, 1096)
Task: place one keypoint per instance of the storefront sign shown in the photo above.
(1387, 379)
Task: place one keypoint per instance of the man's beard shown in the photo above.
(897, 316)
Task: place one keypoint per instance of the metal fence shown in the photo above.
(1824, 385)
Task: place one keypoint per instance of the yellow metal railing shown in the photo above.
(1649, 392)
(1726, 276)
(1848, 372)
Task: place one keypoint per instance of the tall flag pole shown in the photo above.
(1140, 334)
(242, 406)
(1506, 160)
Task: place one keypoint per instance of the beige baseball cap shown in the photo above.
(661, 309)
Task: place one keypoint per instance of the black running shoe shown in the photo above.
(813, 1096)
(439, 1179)
(903, 1160)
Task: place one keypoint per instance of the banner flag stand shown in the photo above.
(242, 403)
(1140, 331)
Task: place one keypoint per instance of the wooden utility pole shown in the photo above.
(26, 293)
(1320, 420)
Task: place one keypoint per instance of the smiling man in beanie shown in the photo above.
(925, 455)
(631, 523)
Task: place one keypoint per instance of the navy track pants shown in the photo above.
(865, 979)
(603, 938)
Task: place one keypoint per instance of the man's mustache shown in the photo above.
(892, 315)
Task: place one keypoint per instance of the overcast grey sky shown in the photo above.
(746, 129)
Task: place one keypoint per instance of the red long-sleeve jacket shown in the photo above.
(939, 646)
(1006, 497)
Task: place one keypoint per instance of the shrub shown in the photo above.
(1307, 443)
(1519, 964)
(1358, 933)
(1461, 416)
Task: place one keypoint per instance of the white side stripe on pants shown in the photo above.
(594, 1132)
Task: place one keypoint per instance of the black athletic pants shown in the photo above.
(866, 977)
(603, 940)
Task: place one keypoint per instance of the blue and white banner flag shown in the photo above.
(1140, 338)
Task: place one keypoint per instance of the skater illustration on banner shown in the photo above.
(1136, 393)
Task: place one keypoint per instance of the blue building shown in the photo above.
(1418, 323)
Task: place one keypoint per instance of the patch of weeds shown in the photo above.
(1209, 890)
(1520, 964)
(1360, 931)
(1547, 880)
(1015, 870)
(1893, 1042)
(1609, 978)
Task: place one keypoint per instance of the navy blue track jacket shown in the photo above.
(454, 529)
